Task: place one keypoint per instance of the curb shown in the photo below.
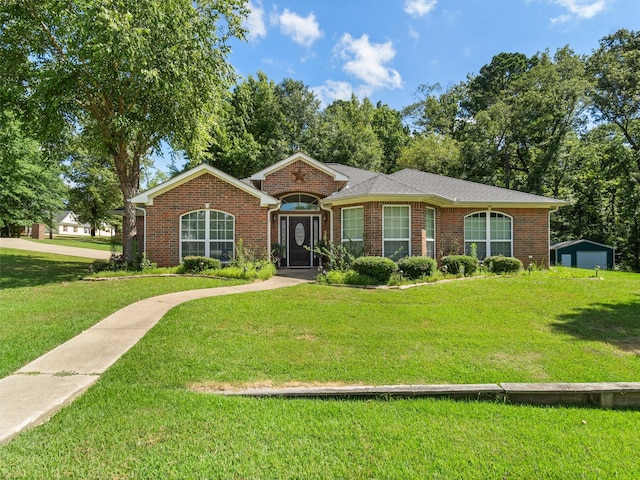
(604, 395)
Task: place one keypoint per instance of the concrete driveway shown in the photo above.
(45, 247)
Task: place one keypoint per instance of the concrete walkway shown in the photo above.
(38, 390)
(22, 244)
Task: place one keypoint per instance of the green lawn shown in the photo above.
(95, 243)
(148, 418)
(43, 302)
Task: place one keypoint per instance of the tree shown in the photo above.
(94, 190)
(615, 66)
(262, 124)
(129, 74)
(346, 135)
(518, 141)
(31, 190)
(433, 153)
(392, 134)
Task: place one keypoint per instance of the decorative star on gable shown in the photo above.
(298, 175)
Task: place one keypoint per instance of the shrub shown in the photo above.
(115, 263)
(195, 264)
(459, 264)
(378, 268)
(417, 267)
(502, 264)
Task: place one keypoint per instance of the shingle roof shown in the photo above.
(465, 191)
(428, 186)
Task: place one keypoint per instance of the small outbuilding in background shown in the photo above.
(582, 254)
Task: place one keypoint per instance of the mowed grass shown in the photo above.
(43, 302)
(149, 415)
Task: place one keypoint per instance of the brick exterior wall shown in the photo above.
(299, 177)
(39, 231)
(163, 217)
(530, 226)
(530, 232)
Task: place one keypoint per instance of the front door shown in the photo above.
(299, 238)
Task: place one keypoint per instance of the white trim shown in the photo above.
(146, 198)
(262, 174)
(396, 239)
(207, 230)
(427, 239)
(487, 240)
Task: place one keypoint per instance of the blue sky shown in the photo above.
(385, 49)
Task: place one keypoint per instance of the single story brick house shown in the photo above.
(299, 201)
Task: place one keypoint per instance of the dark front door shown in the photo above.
(299, 238)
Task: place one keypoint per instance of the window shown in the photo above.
(353, 228)
(396, 231)
(491, 232)
(207, 233)
(430, 228)
(299, 201)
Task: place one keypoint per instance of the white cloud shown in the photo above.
(366, 61)
(303, 30)
(332, 90)
(419, 8)
(582, 9)
(254, 24)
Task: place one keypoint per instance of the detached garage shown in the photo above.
(582, 254)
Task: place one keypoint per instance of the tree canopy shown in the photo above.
(127, 74)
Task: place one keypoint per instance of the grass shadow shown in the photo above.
(615, 323)
(29, 269)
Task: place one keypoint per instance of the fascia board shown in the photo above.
(262, 174)
(439, 201)
(146, 198)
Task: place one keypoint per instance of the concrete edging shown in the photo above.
(606, 395)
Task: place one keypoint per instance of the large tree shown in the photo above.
(615, 66)
(128, 73)
(31, 189)
(263, 123)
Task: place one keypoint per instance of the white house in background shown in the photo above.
(68, 224)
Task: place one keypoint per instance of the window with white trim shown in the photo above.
(207, 233)
(353, 228)
(491, 232)
(396, 231)
(430, 230)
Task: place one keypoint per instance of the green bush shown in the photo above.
(417, 267)
(502, 264)
(459, 265)
(115, 263)
(378, 268)
(199, 264)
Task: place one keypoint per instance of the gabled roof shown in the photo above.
(414, 185)
(569, 243)
(323, 167)
(146, 198)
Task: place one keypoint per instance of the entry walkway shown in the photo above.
(38, 390)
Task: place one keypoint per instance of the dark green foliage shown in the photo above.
(417, 267)
(195, 264)
(502, 264)
(459, 265)
(378, 268)
(115, 263)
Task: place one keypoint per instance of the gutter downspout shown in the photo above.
(269, 213)
(330, 221)
(551, 210)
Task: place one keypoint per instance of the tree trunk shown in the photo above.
(127, 166)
